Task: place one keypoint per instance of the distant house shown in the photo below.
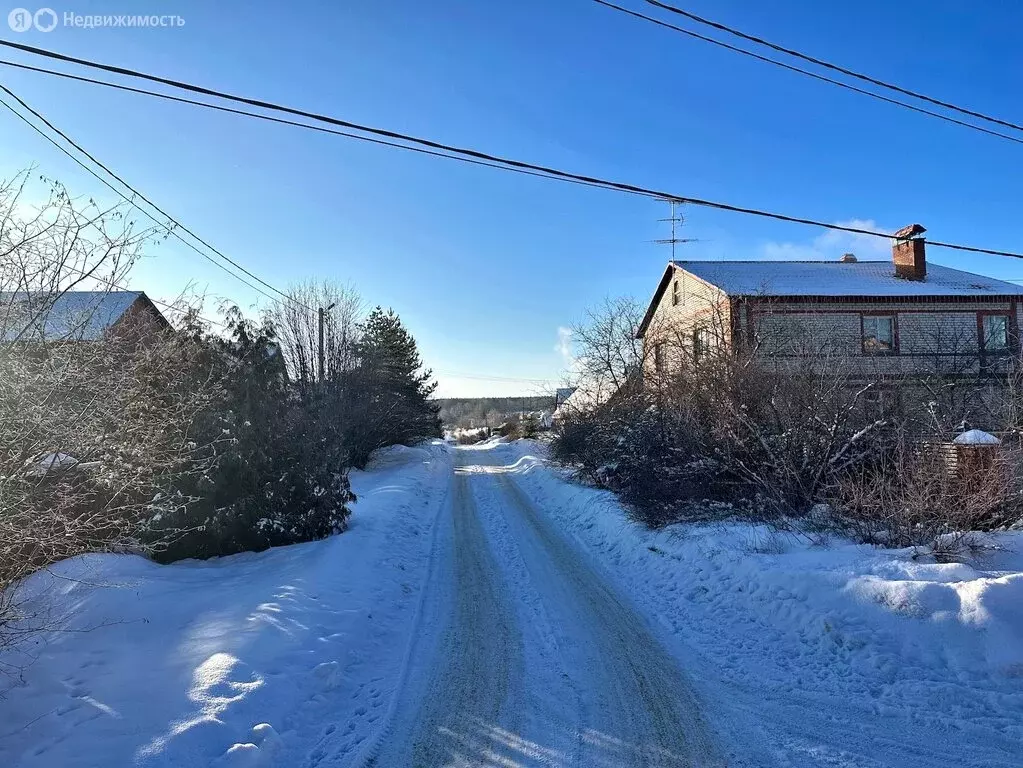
(75, 316)
(892, 318)
(561, 395)
(586, 397)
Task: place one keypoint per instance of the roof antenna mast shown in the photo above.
(677, 220)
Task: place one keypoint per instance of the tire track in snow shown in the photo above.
(475, 688)
(638, 708)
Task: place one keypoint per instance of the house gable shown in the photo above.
(142, 307)
(673, 271)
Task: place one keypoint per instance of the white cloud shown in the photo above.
(564, 345)
(832, 244)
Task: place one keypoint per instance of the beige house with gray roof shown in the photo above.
(895, 318)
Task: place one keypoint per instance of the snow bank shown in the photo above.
(236, 661)
(807, 637)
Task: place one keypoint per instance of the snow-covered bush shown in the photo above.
(278, 470)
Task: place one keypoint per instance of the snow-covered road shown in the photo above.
(540, 662)
(484, 611)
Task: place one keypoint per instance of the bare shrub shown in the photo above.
(511, 428)
(96, 442)
(94, 426)
(471, 436)
(781, 422)
(916, 498)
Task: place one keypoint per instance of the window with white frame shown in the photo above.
(878, 334)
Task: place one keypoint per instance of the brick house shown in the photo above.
(895, 318)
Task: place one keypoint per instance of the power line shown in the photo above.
(165, 305)
(271, 119)
(394, 135)
(808, 73)
(834, 67)
(471, 155)
(162, 212)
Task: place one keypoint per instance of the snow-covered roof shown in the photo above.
(585, 397)
(837, 278)
(562, 394)
(976, 437)
(79, 315)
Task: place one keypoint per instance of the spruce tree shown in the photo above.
(394, 389)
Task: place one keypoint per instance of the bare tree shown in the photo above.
(95, 428)
(51, 243)
(297, 325)
(607, 351)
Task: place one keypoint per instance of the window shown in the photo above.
(658, 357)
(674, 293)
(878, 334)
(700, 339)
(994, 333)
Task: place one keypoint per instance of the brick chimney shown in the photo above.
(908, 253)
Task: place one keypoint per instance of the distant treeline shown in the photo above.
(488, 411)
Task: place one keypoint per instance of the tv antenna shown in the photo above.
(677, 220)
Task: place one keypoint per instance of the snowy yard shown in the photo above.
(236, 660)
(507, 647)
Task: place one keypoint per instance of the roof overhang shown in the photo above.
(652, 308)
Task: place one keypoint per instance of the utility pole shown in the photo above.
(322, 316)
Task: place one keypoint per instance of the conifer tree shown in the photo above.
(394, 389)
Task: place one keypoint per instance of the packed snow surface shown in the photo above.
(836, 655)
(484, 611)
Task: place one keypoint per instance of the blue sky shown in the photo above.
(485, 266)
